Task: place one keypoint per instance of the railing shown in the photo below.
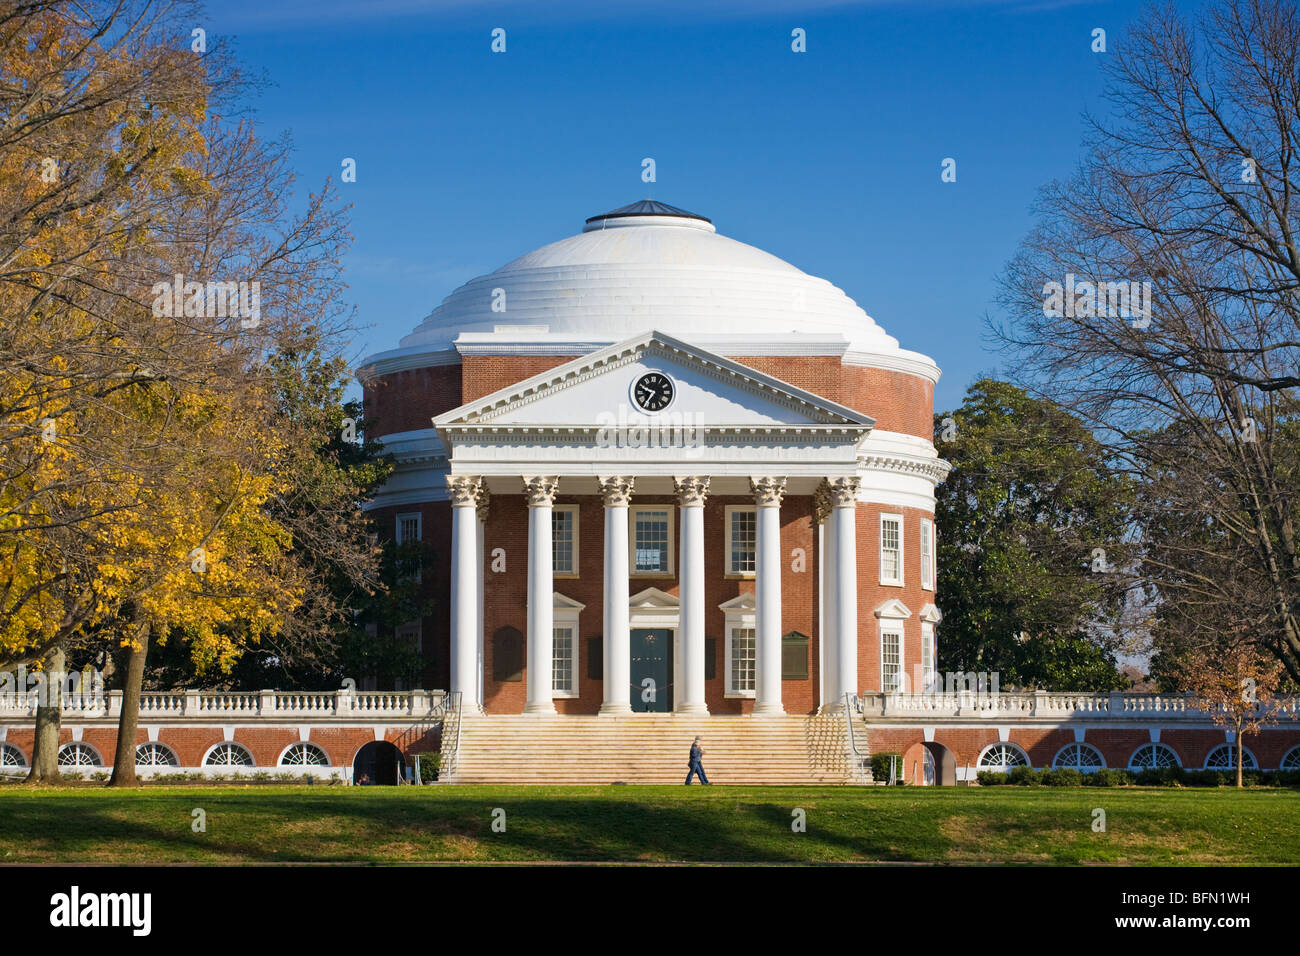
(266, 704)
(859, 758)
(1043, 705)
(450, 736)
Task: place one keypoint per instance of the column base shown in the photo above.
(540, 710)
(615, 710)
(768, 710)
(692, 710)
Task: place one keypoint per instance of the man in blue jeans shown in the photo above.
(697, 754)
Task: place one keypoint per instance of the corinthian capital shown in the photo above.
(822, 502)
(464, 489)
(767, 490)
(540, 490)
(691, 490)
(483, 500)
(844, 491)
(616, 491)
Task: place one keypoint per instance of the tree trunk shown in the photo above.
(128, 722)
(1240, 754)
(45, 749)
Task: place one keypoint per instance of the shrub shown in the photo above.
(1107, 778)
(992, 778)
(880, 765)
(1064, 777)
(1160, 777)
(430, 763)
(1025, 777)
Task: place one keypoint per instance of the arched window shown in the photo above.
(228, 755)
(1002, 756)
(154, 754)
(1082, 757)
(1224, 757)
(1291, 760)
(11, 758)
(304, 754)
(77, 754)
(1154, 757)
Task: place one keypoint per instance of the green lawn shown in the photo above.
(413, 824)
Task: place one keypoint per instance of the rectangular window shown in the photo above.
(564, 540)
(564, 663)
(742, 540)
(927, 554)
(652, 540)
(891, 660)
(408, 532)
(408, 528)
(891, 549)
(927, 657)
(412, 635)
(742, 661)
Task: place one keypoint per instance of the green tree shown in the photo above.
(1031, 524)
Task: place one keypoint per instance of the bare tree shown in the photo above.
(1157, 298)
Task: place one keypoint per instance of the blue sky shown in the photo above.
(829, 159)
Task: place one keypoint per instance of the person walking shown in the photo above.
(696, 767)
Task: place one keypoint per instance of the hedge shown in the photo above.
(1162, 777)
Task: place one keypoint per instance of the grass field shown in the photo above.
(648, 824)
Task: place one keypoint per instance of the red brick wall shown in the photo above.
(408, 401)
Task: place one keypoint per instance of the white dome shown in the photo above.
(651, 266)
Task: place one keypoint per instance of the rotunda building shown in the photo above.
(661, 471)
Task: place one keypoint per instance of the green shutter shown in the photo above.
(710, 658)
(508, 655)
(595, 658)
(794, 656)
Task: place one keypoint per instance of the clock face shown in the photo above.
(653, 391)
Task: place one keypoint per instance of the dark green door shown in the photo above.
(652, 671)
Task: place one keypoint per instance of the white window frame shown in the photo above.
(927, 554)
(892, 617)
(929, 658)
(730, 512)
(573, 510)
(565, 613)
(902, 550)
(740, 614)
(419, 526)
(632, 512)
(892, 629)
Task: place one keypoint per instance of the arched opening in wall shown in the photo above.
(379, 763)
(941, 765)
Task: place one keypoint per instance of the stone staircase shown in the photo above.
(653, 749)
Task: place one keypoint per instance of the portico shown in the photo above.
(737, 436)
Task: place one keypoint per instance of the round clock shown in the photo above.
(653, 392)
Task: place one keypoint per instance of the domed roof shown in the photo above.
(650, 265)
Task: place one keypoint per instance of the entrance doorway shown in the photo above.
(652, 670)
(378, 762)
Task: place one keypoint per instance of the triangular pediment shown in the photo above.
(893, 608)
(653, 598)
(741, 602)
(706, 390)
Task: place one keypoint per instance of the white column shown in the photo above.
(483, 499)
(844, 499)
(541, 595)
(618, 638)
(768, 493)
(691, 493)
(465, 571)
(829, 639)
